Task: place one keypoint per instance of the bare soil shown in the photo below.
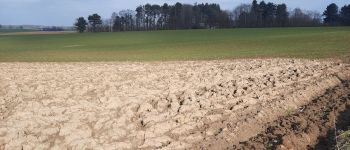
(168, 105)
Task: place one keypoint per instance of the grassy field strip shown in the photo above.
(321, 42)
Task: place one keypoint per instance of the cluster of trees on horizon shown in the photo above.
(204, 16)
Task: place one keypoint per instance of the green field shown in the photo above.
(15, 30)
(178, 45)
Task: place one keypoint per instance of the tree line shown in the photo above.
(276, 15)
(273, 15)
(201, 16)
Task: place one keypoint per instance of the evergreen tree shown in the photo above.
(331, 14)
(95, 20)
(80, 24)
(281, 15)
(345, 15)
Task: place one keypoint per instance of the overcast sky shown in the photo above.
(64, 12)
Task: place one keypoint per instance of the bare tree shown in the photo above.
(240, 14)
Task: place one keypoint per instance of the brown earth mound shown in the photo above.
(172, 105)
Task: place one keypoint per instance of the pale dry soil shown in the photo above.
(166, 105)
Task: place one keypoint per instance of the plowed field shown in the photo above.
(167, 105)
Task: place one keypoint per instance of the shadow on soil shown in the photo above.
(329, 141)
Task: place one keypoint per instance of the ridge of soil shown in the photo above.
(310, 127)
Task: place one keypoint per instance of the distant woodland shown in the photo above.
(209, 16)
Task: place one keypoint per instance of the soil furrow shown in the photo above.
(310, 127)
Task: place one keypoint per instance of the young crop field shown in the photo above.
(321, 42)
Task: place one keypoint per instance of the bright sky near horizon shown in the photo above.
(64, 12)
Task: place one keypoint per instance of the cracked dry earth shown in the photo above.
(166, 105)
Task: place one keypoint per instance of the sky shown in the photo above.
(64, 12)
